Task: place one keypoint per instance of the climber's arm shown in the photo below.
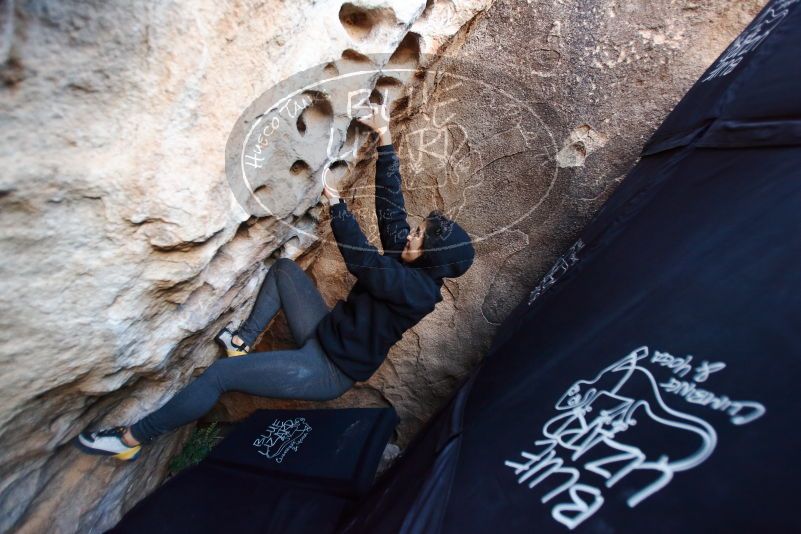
(389, 203)
(389, 208)
(383, 276)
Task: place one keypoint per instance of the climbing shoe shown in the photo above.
(226, 339)
(107, 443)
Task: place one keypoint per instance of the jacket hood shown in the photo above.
(448, 255)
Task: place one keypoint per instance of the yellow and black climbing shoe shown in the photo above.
(107, 443)
(226, 339)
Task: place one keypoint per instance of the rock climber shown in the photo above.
(338, 347)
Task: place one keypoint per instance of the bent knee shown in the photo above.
(214, 374)
(335, 392)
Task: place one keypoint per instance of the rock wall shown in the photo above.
(124, 250)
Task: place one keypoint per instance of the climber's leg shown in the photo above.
(285, 286)
(301, 301)
(305, 374)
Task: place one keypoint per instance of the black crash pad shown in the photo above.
(277, 471)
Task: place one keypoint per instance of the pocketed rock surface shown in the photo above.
(124, 251)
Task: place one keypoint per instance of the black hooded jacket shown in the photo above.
(389, 296)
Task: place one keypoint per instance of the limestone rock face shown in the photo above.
(124, 249)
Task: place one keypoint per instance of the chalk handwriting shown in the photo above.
(291, 108)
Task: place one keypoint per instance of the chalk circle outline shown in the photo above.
(242, 174)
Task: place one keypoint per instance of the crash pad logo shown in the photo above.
(750, 39)
(559, 269)
(282, 437)
(624, 429)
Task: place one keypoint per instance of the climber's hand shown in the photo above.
(335, 178)
(329, 193)
(377, 119)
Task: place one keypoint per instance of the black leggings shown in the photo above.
(305, 373)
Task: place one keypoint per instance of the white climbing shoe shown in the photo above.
(107, 443)
(226, 339)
